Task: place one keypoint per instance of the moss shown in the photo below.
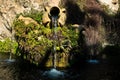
(35, 41)
(34, 14)
(8, 46)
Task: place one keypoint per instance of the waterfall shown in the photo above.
(54, 25)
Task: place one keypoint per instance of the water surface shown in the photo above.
(104, 69)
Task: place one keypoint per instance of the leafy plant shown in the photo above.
(34, 41)
(8, 46)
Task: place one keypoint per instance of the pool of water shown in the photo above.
(104, 69)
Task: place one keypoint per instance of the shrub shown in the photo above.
(8, 46)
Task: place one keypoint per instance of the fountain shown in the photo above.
(54, 73)
(54, 17)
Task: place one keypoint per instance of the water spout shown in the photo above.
(54, 19)
(54, 73)
(54, 12)
(54, 16)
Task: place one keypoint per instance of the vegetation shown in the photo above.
(8, 46)
(34, 14)
(35, 41)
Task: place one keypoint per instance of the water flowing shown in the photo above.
(54, 21)
(10, 58)
(54, 73)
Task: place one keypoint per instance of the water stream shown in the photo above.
(54, 73)
(10, 59)
(54, 24)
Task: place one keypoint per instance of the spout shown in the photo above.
(54, 15)
(54, 12)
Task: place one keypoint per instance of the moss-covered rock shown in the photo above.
(38, 44)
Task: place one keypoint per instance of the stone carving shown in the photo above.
(46, 14)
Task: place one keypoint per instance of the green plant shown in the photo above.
(8, 46)
(34, 14)
(34, 41)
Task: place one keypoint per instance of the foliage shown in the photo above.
(30, 40)
(34, 14)
(8, 46)
(34, 41)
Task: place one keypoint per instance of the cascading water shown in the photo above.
(54, 16)
(54, 73)
(54, 21)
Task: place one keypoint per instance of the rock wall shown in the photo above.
(113, 5)
(10, 8)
